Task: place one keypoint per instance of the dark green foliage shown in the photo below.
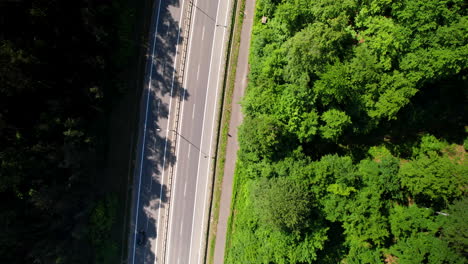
(359, 107)
(262, 137)
(423, 248)
(56, 62)
(283, 203)
(277, 228)
(431, 177)
(408, 221)
(455, 226)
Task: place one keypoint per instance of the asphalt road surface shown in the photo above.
(193, 157)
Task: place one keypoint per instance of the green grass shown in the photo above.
(238, 189)
(231, 67)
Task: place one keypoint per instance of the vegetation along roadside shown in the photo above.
(64, 80)
(233, 53)
(353, 147)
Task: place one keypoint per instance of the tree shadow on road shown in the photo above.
(154, 156)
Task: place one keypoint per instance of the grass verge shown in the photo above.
(239, 189)
(233, 53)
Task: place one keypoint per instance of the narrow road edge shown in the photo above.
(240, 85)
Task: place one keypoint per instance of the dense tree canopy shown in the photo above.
(355, 120)
(58, 64)
(273, 199)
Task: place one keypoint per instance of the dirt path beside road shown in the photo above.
(232, 144)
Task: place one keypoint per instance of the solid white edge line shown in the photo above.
(212, 125)
(144, 133)
(171, 210)
(167, 132)
(203, 131)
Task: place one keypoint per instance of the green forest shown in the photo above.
(353, 147)
(62, 66)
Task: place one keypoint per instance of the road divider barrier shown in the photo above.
(187, 17)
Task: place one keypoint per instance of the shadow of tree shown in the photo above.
(155, 157)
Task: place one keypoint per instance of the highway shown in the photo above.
(188, 217)
(183, 204)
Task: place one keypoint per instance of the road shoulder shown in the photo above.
(231, 113)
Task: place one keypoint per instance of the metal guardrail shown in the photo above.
(187, 17)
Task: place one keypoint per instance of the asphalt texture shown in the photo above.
(193, 156)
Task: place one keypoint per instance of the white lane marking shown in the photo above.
(144, 135)
(203, 33)
(198, 71)
(181, 227)
(188, 152)
(167, 130)
(201, 142)
(184, 83)
(185, 189)
(193, 111)
(212, 134)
